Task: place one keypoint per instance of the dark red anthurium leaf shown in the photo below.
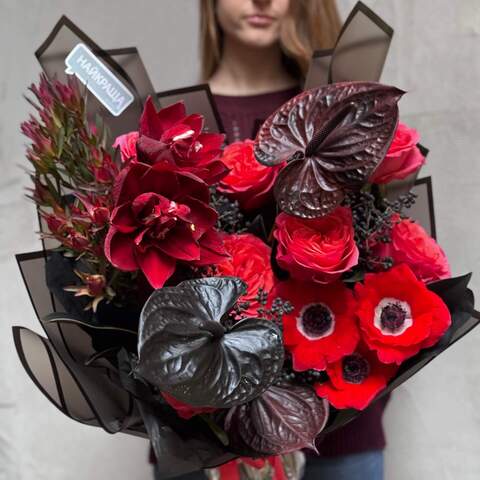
(333, 138)
(185, 351)
(282, 420)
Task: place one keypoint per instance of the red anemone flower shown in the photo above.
(170, 136)
(355, 380)
(322, 326)
(161, 217)
(399, 315)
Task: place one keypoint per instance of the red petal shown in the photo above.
(146, 201)
(169, 116)
(123, 219)
(180, 244)
(357, 396)
(211, 141)
(156, 266)
(148, 120)
(119, 250)
(128, 182)
(192, 186)
(161, 179)
(153, 151)
(214, 172)
(212, 249)
(201, 215)
(153, 124)
(195, 122)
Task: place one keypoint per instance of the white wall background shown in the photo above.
(432, 422)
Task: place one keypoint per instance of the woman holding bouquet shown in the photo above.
(255, 54)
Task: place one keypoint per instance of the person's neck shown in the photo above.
(250, 71)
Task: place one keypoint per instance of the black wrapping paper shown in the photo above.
(125, 64)
(359, 54)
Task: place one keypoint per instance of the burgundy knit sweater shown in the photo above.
(241, 117)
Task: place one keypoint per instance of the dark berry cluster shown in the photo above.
(308, 377)
(277, 309)
(373, 222)
(230, 217)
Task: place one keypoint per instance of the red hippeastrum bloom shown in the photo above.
(322, 327)
(399, 315)
(160, 217)
(355, 379)
(171, 137)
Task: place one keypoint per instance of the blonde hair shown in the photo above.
(310, 25)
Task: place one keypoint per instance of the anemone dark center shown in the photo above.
(355, 368)
(317, 320)
(392, 317)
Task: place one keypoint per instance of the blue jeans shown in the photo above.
(358, 466)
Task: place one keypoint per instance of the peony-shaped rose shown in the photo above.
(250, 261)
(399, 315)
(412, 245)
(171, 137)
(128, 146)
(249, 182)
(403, 157)
(318, 249)
(161, 217)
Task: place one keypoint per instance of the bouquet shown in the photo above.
(231, 303)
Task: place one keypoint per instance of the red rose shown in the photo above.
(250, 261)
(322, 327)
(355, 380)
(403, 157)
(171, 137)
(249, 182)
(161, 217)
(412, 245)
(183, 409)
(318, 249)
(128, 146)
(399, 315)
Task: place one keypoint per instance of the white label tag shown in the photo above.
(98, 78)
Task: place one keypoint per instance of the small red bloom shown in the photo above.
(103, 168)
(322, 327)
(172, 138)
(399, 315)
(250, 261)
(318, 249)
(248, 181)
(183, 409)
(161, 217)
(128, 146)
(403, 157)
(57, 224)
(413, 246)
(98, 213)
(355, 380)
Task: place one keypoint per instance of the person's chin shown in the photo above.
(259, 39)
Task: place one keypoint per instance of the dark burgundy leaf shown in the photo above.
(333, 138)
(185, 351)
(281, 420)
